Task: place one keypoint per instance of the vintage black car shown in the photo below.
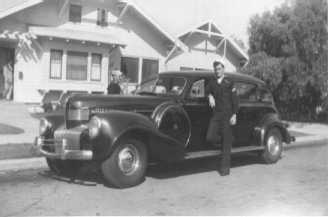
(165, 120)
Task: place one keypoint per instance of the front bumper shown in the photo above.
(59, 149)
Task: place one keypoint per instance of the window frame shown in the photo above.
(61, 65)
(71, 18)
(256, 86)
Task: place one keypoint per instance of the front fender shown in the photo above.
(117, 125)
(57, 120)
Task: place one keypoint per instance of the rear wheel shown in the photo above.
(64, 167)
(126, 167)
(273, 146)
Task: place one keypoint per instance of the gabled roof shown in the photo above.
(212, 30)
(9, 7)
(151, 21)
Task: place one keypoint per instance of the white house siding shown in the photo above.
(141, 38)
(27, 74)
(201, 54)
(64, 84)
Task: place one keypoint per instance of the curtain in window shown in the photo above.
(96, 67)
(129, 67)
(149, 69)
(77, 66)
(56, 64)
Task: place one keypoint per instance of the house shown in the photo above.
(74, 45)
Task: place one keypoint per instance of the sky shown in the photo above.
(232, 16)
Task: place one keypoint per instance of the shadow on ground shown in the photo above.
(8, 129)
(90, 174)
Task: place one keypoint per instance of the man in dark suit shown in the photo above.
(224, 102)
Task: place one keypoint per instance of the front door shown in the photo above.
(6, 73)
(197, 107)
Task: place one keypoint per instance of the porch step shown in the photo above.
(211, 153)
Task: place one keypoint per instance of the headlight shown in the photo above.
(94, 127)
(44, 127)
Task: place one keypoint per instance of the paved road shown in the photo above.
(296, 185)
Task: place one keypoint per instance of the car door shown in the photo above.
(247, 114)
(199, 112)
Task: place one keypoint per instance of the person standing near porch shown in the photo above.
(114, 86)
(8, 80)
(224, 102)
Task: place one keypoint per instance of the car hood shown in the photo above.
(119, 102)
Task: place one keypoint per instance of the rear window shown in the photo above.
(246, 91)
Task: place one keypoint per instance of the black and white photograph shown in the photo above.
(163, 108)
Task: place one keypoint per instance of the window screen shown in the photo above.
(75, 13)
(96, 67)
(149, 69)
(56, 57)
(129, 67)
(102, 17)
(77, 66)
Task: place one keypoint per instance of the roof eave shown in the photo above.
(19, 7)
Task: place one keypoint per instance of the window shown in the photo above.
(149, 69)
(75, 13)
(56, 57)
(102, 17)
(77, 66)
(96, 67)
(198, 89)
(202, 69)
(246, 91)
(184, 68)
(265, 95)
(130, 68)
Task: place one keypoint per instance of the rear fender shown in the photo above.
(268, 122)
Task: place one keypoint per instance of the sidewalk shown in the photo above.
(17, 148)
(16, 115)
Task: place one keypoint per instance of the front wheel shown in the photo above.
(126, 167)
(273, 146)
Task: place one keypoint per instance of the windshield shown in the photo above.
(162, 85)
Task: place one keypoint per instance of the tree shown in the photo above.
(289, 50)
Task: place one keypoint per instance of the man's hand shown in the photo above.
(211, 101)
(233, 119)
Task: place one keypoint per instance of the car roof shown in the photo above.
(211, 73)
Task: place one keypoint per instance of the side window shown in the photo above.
(198, 89)
(246, 91)
(265, 95)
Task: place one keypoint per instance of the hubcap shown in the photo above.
(273, 145)
(128, 159)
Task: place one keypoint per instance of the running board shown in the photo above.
(211, 153)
